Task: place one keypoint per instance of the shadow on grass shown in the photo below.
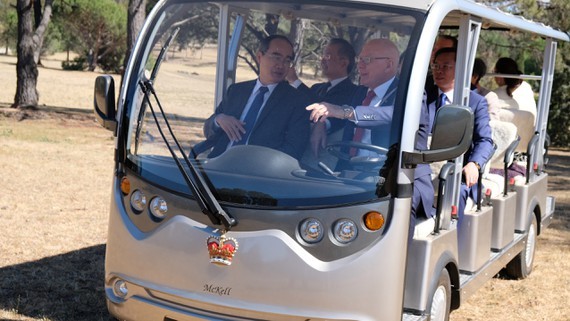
(64, 287)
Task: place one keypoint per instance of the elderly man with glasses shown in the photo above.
(371, 116)
(266, 111)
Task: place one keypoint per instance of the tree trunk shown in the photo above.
(298, 27)
(135, 21)
(29, 49)
(26, 67)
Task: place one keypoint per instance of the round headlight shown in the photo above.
(138, 201)
(158, 207)
(345, 231)
(311, 230)
(120, 288)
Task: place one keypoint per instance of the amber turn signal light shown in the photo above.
(373, 220)
(125, 185)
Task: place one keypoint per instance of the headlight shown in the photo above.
(311, 230)
(345, 231)
(138, 201)
(120, 288)
(158, 208)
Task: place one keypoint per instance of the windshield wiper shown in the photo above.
(204, 196)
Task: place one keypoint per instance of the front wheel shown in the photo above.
(521, 266)
(441, 298)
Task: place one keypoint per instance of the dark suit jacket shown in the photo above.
(481, 148)
(341, 94)
(283, 123)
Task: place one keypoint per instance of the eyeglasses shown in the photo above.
(279, 59)
(442, 67)
(368, 60)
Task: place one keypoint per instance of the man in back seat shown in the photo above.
(443, 67)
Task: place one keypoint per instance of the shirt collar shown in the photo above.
(448, 94)
(337, 81)
(381, 90)
(258, 85)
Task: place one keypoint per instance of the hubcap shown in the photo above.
(530, 243)
(438, 304)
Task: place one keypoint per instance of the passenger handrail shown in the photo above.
(480, 185)
(509, 156)
(446, 170)
(521, 76)
(530, 154)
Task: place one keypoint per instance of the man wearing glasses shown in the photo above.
(481, 149)
(372, 116)
(266, 111)
(337, 62)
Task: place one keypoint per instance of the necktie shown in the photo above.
(442, 101)
(323, 90)
(359, 131)
(252, 114)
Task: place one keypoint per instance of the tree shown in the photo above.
(98, 30)
(29, 46)
(135, 20)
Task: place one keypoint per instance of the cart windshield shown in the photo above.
(199, 56)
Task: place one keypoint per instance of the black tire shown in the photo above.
(521, 266)
(440, 305)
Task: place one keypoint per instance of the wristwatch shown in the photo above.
(348, 111)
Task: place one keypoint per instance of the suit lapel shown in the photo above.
(242, 96)
(271, 103)
(390, 95)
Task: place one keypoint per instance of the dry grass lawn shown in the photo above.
(56, 167)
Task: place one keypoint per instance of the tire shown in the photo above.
(441, 298)
(521, 266)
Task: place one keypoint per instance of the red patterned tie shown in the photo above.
(359, 131)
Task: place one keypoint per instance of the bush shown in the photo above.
(77, 63)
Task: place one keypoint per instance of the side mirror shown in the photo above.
(451, 137)
(104, 102)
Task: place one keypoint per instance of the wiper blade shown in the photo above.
(204, 196)
(163, 52)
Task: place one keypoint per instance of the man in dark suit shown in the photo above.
(266, 111)
(481, 149)
(378, 67)
(337, 62)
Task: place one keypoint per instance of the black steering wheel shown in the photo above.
(335, 149)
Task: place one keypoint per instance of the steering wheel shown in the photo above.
(369, 161)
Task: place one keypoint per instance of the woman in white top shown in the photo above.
(513, 93)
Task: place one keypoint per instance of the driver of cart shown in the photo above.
(265, 111)
(370, 117)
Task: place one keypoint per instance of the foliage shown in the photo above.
(200, 28)
(8, 25)
(94, 25)
(78, 63)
